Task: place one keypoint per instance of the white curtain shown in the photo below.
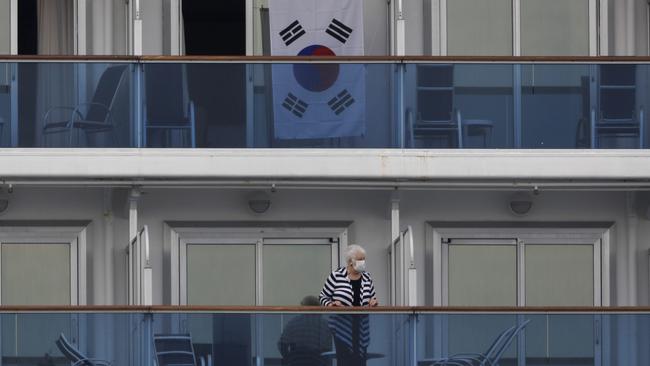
(56, 81)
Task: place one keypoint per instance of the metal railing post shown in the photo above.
(399, 95)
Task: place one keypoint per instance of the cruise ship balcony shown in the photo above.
(147, 336)
(364, 102)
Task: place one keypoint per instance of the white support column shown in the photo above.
(249, 28)
(400, 30)
(175, 14)
(630, 24)
(603, 30)
(80, 27)
(134, 197)
(394, 215)
(632, 245)
(137, 29)
(516, 28)
(109, 245)
(13, 8)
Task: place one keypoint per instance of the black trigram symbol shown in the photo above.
(291, 33)
(339, 30)
(295, 105)
(341, 102)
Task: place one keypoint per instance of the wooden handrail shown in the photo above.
(342, 59)
(317, 309)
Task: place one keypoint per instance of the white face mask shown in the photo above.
(359, 266)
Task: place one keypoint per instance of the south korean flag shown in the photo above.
(316, 100)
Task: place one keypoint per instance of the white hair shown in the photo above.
(352, 251)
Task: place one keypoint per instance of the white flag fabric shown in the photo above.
(312, 100)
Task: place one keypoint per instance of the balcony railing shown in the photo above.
(140, 336)
(284, 102)
(275, 336)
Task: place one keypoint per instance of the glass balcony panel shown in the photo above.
(74, 105)
(323, 105)
(270, 337)
(555, 106)
(440, 99)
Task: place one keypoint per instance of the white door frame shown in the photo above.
(139, 270)
(74, 236)
(597, 14)
(13, 8)
(599, 237)
(80, 27)
(178, 237)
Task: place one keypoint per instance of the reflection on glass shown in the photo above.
(312, 105)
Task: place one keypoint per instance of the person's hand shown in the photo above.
(334, 304)
(373, 302)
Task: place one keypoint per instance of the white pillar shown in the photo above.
(109, 245)
(632, 246)
(134, 197)
(394, 234)
(630, 33)
(400, 30)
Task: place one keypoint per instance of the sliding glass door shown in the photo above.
(519, 27)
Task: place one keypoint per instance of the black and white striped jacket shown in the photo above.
(338, 288)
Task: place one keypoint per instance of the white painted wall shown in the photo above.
(367, 209)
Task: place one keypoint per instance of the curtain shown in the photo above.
(56, 81)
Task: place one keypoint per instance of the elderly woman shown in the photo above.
(350, 286)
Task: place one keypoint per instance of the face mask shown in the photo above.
(360, 266)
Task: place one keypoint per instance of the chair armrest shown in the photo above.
(95, 361)
(85, 106)
(46, 117)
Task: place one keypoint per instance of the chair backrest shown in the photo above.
(71, 353)
(498, 342)
(494, 360)
(105, 92)
(165, 94)
(617, 92)
(174, 349)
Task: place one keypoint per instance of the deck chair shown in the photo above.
(176, 350)
(72, 354)
(90, 117)
(491, 356)
(166, 107)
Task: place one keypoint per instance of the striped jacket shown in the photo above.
(337, 287)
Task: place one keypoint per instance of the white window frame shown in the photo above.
(75, 236)
(599, 237)
(179, 237)
(13, 8)
(597, 27)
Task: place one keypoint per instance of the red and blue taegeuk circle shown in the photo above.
(316, 77)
